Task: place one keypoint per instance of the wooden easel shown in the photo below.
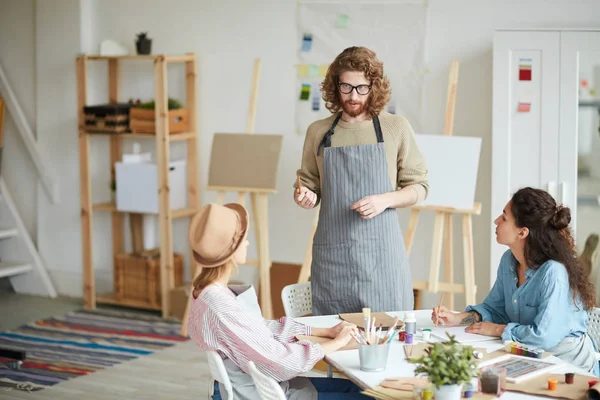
(442, 231)
(259, 213)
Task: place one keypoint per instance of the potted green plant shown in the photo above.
(448, 366)
(143, 44)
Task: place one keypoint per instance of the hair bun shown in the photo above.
(561, 218)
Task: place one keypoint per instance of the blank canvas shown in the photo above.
(244, 160)
(452, 163)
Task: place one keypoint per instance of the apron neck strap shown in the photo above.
(378, 131)
(326, 141)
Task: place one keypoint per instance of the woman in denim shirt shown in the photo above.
(542, 294)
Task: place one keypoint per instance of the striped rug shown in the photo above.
(80, 343)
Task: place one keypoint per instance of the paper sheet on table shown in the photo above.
(382, 318)
(317, 339)
(460, 334)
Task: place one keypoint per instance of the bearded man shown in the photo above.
(360, 164)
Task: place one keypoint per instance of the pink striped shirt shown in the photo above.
(218, 322)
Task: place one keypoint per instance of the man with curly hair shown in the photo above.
(360, 164)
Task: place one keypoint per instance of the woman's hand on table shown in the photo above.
(486, 328)
(441, 315)
(344, 336)
(334, 331)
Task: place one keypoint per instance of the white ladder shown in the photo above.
(19, 258)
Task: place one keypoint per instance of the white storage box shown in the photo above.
(137, 186)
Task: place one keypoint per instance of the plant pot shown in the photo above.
(144, 46)
(448, 392)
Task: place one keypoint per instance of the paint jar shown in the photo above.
(427, 394)
(409, 338)
(468, 393)
(526, 352)
(508, 346)
(519, 350)
(410, 322)
(552, 384)
(539, 353)
(417, 392)
(402, 336)
(474, 384)
(569, 378)
(426, 335)
(492, 381)
(513, 348)
(373, 358)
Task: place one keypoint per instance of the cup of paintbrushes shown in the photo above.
(373, 357)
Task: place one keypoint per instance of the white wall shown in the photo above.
(17, 59)
(227, 35)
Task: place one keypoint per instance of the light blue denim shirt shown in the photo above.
(541, 312)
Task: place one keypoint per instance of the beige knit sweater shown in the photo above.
(406, 165)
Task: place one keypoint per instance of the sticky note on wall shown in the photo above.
(313, 71)
(305, 91)
(342, 21)
(323, 70)
(302, 70)
(307, 42)
(525, 69)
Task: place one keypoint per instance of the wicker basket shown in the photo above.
(138, 276)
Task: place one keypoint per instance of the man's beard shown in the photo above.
(352, 111)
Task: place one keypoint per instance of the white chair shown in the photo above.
(268, 388)
(594, 328)
(219, 374)
(297, 300)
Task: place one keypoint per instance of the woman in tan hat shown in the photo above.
(227, 318)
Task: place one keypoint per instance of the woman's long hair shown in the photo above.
(358, 59)
(209, 275)
(550, 238)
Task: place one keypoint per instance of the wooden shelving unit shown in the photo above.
(162, 139)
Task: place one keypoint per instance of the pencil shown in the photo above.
(437, 318)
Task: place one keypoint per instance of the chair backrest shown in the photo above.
(297, 300)
(268, 388)
(218, 372)
(594, 326)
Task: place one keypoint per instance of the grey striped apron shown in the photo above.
(357, 262)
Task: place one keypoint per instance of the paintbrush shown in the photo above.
(437, 317)
(299, 184)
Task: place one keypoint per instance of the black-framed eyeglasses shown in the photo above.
(347, 88)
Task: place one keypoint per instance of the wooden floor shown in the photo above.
(176, 372)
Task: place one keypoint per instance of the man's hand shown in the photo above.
(305, 198)
(370, 206)
(486, 328)
(335, 330)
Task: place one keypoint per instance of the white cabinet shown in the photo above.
(534, 134)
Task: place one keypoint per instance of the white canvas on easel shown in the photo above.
(452, 165)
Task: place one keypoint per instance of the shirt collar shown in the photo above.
(513, 267)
